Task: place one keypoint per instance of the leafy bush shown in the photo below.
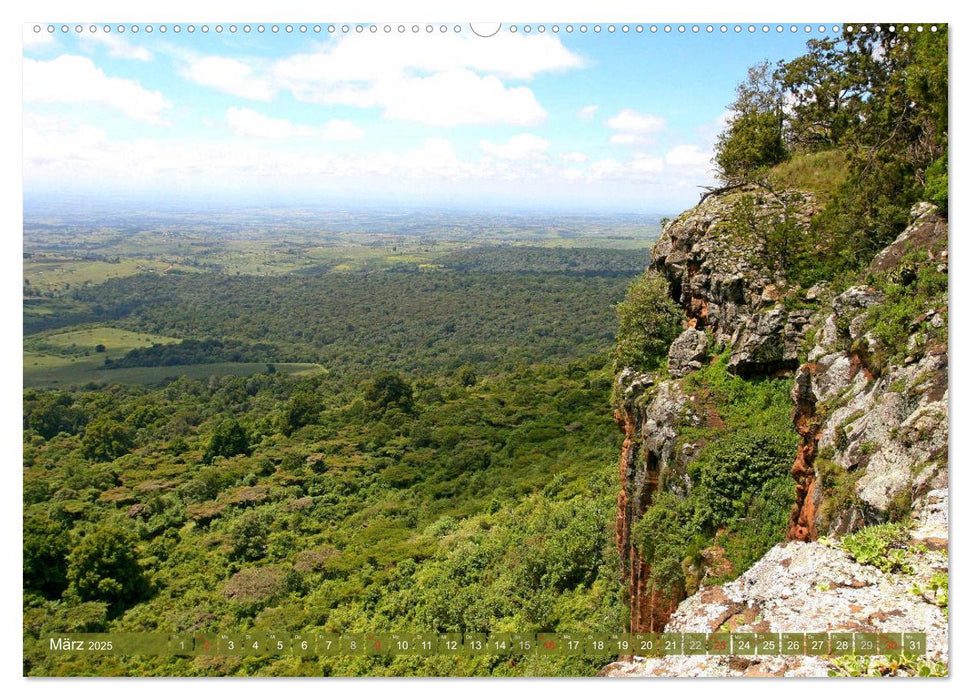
(387, 390)
(883, 546)
(752, 143)
(753, 139)
(879, 666)
(104, 567)
(53, 413)
(249, 535)
(733, 468)
(228, 439)
(649, 320)
(46, 546)
(741, 491)
(106, 439)
(935, 183)
(302, 408)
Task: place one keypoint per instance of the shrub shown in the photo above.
(104, 567)
(228, 439)
(301, 409)
(45, 555)
(935, 184)
(106, 439)
(388, 389)
(248, 536)
(883, 546)
(649, 321)
(732, 469)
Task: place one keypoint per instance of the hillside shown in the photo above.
(706, 489)
(782, 370)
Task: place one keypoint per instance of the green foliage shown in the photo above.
(354, 522)
(106, 439)
(228, 439)
(883, 546)
(751, 144)
(902, 312)
(752, 140)
(412, 320)
(878, 97)
(741, 490)
(46, 546)
(649, 320)
(191, 351)
(388, 390)
(729, 470)
(104, 567)
(936, 590)
(935, 183)
(879, 666)
(248, 536)
(302, 408)
(53, 413)
(667, 534)
(467, 376)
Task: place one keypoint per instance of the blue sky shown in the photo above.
(566, 121)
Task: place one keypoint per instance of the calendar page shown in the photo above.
(450, 349)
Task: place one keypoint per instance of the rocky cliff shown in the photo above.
(868, 369)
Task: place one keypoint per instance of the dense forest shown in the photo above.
(460, 414)
(314, 505)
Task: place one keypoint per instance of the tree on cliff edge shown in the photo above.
(650, 320)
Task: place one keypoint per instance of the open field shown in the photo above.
(48, 371)
(48, 272)
(85, 339)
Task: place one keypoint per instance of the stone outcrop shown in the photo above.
(716, 261)
(885, 432)
(732, 296)
(648, 462)
(813, 587)
(687, 353)
(873, 434)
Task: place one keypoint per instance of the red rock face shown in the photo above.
(802, 521)
(649, 607)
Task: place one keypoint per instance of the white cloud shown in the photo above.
(76, 80)
(443, 99)
(119, 47)
(574, 157)
(606, 168)
(646, 164)
(634, 127)
(688, 155)
(356, 58)
(587, 113)
(630, 122)
(59, 151)
(340, 130)
(518, 147)
(453, 80)
(629, 139)
(250, 123)
(229, 75)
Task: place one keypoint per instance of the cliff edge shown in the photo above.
(860, 368)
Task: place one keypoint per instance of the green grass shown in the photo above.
(820, 173)
(52, 272)
(117, 341)
(42, 370)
